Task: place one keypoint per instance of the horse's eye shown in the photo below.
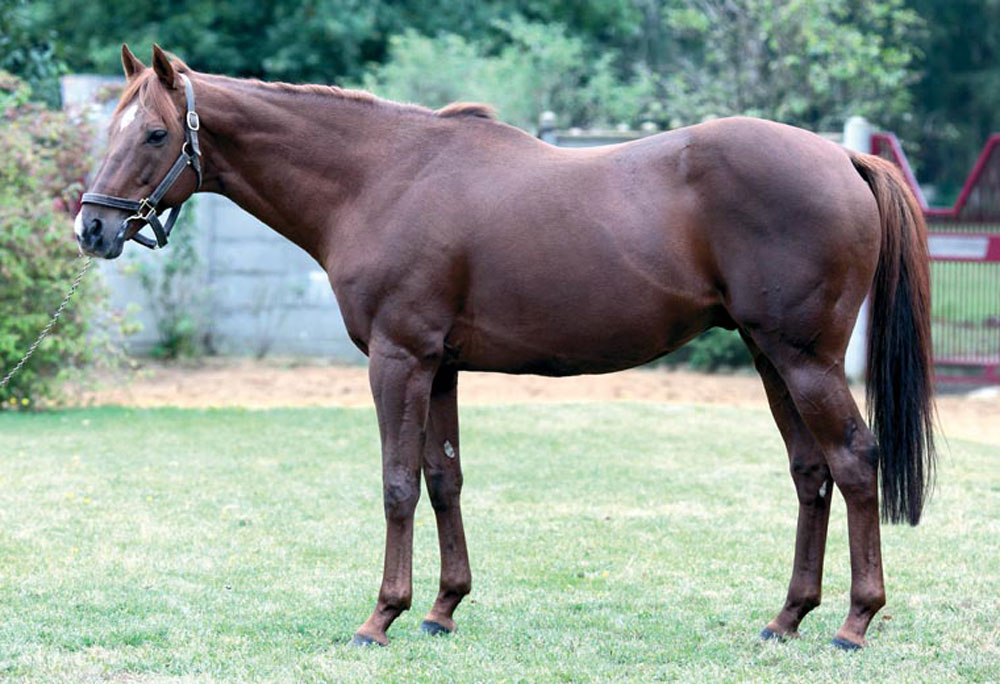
(156, 137)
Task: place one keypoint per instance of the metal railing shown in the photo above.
(964, 243)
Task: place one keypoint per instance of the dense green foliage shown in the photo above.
(717, 349)
(609, 543)
(539, 67)
(957, 98)
(43, 157)
(925, 68)
(27, 49)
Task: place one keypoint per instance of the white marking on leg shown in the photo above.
(78, 224)
(822, 490)
(449, 450)
(128, 116)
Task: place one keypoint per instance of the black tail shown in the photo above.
(900, 366)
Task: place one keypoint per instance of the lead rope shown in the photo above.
(48, 328)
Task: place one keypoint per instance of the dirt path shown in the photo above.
(270, 384)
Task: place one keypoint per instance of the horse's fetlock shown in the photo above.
(456, 588)
(872, 599)
(808, 602)
(395, 603)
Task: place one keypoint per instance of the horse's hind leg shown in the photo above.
(443, 475)
(816, 382)
(813, 486)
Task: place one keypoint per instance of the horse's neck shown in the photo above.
(292, 159)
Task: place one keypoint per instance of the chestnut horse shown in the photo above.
(454, 242)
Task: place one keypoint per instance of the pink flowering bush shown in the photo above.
(43, 160)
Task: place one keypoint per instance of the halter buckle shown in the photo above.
(144, 206)
(193, 121)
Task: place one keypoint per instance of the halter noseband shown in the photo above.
(145, 209)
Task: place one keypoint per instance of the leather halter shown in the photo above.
(145, 209)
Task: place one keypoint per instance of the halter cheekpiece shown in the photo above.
(145, 209)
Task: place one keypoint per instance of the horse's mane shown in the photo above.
(152, 95)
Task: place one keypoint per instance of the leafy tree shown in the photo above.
(957, 98)
(293, 40)
(810, 63)
(536, 67)
(28, 50)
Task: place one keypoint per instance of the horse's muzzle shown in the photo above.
(99, 236)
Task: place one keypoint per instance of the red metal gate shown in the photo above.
(964, 243)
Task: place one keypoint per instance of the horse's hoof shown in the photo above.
(364, 640)
(845, 645)
(433, 628)
(768, 634)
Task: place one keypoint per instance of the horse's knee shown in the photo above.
(400, 496)
(811, 476)
(444, 489)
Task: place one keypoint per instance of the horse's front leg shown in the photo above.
(443, 474)
(401, 384)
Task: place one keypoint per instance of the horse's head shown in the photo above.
(152, 162)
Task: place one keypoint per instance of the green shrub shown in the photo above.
(716, 349)
(713, 350)
(536, 67)
(43, 157)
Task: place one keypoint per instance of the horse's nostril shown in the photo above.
(94, 227)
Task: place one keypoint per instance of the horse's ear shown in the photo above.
(162, 66)
(130, 63)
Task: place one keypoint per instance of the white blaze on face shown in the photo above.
(128, 116)
(78, 224)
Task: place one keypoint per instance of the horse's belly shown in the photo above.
(576, 337)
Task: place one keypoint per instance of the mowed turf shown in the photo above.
(609, 542)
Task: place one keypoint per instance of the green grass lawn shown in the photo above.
(609, 542)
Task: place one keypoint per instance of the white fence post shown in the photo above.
(857, 137)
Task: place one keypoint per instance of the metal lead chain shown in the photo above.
(48, 328)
